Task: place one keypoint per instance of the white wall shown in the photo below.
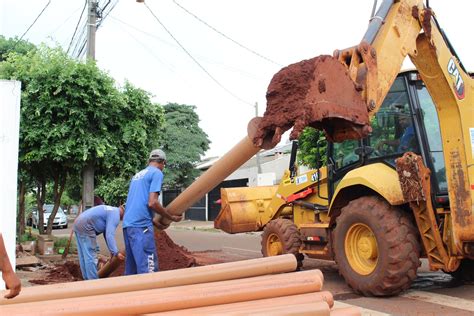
(10, 92)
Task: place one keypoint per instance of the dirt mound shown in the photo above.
(170, 255)
(59, 273)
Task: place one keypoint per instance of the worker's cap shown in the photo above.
(157, 154)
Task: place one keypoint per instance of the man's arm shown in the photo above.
(155, 205)
(12, 282)
(113, 219)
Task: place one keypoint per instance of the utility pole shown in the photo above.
(88, 171)
(259, 167)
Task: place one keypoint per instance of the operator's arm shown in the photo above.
(155, 205)
(12, 281)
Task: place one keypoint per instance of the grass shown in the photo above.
(61, 243)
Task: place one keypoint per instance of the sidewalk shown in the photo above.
(194, 225)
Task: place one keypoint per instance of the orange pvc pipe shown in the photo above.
(110, 266)
(180, 297)
(226, 309)
(230, 162)
(346, 311)
(210, 273)
(308, 309)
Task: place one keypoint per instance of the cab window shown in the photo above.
(431, 123)
(344, 153)
(393, 130)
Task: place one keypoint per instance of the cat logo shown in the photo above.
(458, 83)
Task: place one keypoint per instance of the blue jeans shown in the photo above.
(86, 248)
(141, 250)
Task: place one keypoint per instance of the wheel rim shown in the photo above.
(274, 245)
(361, 248)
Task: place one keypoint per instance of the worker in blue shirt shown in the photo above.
(101, 219)
(406, 141)
(142, 204)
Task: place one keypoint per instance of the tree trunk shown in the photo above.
(58, 189)
(21, 209)
(40, 195)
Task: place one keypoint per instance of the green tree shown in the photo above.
(308, 148)
(14, 45)
(184, 143)
(139, 125)
(69, 115)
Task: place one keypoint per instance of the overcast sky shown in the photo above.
(225, 80)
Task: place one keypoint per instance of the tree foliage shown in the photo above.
(140, 122)
(184, 143)
(14, 45)
(71, 113)
(308, 148)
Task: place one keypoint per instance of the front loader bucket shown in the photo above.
(242, 208)
(319, 93)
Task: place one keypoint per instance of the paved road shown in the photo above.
(432, 293)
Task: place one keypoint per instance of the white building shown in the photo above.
(10, 93)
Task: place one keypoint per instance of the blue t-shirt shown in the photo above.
(137, 213)
(405, 140)
(101, 219)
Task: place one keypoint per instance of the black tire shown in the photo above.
(394, 249)
(284, 232)
(465, 272)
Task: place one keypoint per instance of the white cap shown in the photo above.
(157, 154)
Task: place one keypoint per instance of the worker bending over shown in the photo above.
(101, 219)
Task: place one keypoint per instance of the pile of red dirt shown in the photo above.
(170, 255)
(67, 272)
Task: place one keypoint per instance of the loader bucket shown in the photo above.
(242, 208)
(319, 93)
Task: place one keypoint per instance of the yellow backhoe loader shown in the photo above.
(399, 180)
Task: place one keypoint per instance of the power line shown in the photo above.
(47, 4)
(77, 25)
(175, 46)
(144, 32)
(64, 22)
(195, 61)
(150, 51)
(104, 13)
(225, 36)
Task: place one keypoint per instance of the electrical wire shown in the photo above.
(47, 4)
(77, 25)
(150, 51)
(62, 23)
(175, 46)
(225, 36)
(105, 13)
(194, 59)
